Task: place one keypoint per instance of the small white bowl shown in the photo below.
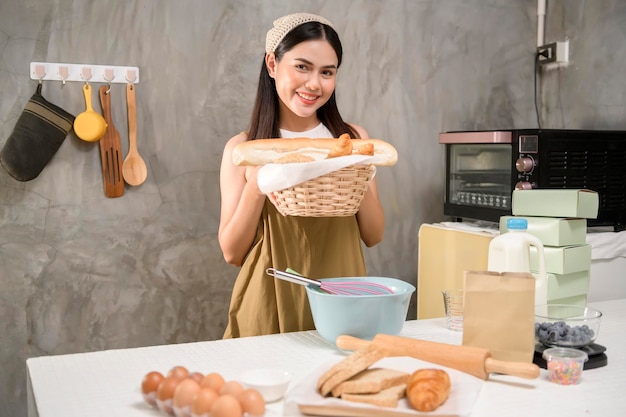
(271, 383)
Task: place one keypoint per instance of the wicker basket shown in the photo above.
(336, 194)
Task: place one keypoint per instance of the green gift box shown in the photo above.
(567, 285)
(576, 300)
(564, 259)
(556, 203)
(553, 231)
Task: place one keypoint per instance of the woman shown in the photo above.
(295, 98)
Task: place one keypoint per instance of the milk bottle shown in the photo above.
(510, 252)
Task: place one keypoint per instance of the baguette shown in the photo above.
(343, 147)
(270, 151)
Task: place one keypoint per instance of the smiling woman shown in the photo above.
(303, 84)
(295, 98)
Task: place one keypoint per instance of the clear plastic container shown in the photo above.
(565, 365)
(510, 252)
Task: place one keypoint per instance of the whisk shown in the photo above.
(355, 287)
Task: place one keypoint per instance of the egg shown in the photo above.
(252, 403)
(226, 406)
(150, 385)
(183, 395)
(213, 380)
(196, 376)
(179, 372)
(203, 401)
(233, 388)
(165, 393)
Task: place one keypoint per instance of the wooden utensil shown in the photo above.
(468, 359)
(89, 125)
(110, 150)
(134, 168)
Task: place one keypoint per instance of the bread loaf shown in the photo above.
(270, 151)
(427, 389)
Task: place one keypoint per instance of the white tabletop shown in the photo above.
(107, 383)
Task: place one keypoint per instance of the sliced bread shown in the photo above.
(371, 381)
(388, 397)
(347, 368)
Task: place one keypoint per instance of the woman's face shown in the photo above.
(305, 79)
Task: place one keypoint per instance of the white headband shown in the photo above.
(284, 25)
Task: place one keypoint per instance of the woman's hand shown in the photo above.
(252, 174)
(272, 198)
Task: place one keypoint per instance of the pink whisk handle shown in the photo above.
(356, 288)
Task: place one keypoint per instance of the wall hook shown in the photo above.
(40, 72)
(85, 74)
(63, 73)
(109, 75)
(131, 76)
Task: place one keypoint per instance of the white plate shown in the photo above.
(463, 394)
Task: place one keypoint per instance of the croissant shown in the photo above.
(342, 148)
(427, 389)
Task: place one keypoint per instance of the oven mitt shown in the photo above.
(39, 132)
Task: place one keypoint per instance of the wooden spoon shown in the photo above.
(134, 168)
(89, 125)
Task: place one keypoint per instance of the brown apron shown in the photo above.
(320, 247)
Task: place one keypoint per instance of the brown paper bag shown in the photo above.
(499, 314)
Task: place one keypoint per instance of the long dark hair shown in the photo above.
(264, 120)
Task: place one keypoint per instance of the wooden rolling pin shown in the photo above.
(469, 359)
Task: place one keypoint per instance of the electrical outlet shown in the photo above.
(554, 55)
(547, 53)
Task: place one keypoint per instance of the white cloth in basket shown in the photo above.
(274, 177)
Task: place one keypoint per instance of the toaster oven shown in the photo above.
(483, 168)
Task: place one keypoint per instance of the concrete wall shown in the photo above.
(82, 272)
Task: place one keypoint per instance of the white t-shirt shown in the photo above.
(319, 131)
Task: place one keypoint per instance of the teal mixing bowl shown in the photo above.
(362, 316)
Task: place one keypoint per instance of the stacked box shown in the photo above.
(558, 218)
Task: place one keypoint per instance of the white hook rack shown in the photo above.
(108, 74)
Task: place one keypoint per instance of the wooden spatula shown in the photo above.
(469, 359)
(110, 150)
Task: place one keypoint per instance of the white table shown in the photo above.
(107, 383)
